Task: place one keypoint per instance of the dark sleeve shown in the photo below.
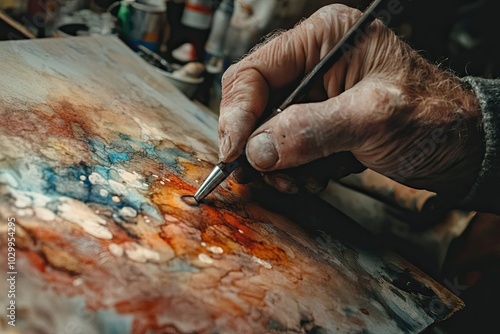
(485, 194)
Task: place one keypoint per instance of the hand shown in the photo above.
(382, 104)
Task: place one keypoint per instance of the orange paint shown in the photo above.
(36, 260)
(219, 221)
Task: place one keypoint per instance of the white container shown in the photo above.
(197, 14)
(185, 85)
(220, 25)
(186, 78)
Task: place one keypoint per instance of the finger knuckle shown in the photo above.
(304, 141)
(229, 75)
(304, 138)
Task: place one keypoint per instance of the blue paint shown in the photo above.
(177, 265)
(41, 178)
(65, 181)
(120, 151)
(348, 312)
(125, 148)
(110, 322)
(118, 157)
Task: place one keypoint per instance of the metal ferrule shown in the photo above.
(213, 180)
(218, 174)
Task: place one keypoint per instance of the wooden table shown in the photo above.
(96, 151)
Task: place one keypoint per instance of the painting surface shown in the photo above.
(96, 152)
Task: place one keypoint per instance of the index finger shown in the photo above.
(274, 65)
(245, 91)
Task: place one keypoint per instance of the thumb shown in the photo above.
(305, 132)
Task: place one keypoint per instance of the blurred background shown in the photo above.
(459, 34)
(192, 42)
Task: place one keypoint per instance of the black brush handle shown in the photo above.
(348, 40)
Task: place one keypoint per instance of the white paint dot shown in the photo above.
(115, 199)
(168, 180)
(127, 211)
(241, 231)
(215, 249)
(161, 182)
(141, 254)
(83, 177)
(25, 212)
(100, 231)
(155, 176)
(103, 192)
(205, 258)
(263, 263)
(115, 249)
(96, 178)
(78, 282)
(203, 244)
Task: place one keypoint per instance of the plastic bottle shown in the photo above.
(198, 14)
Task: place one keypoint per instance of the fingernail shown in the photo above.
(224, 146)
(262, 151)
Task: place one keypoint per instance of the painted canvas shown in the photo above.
(97, 150)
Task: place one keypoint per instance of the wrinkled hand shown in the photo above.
(381, 104)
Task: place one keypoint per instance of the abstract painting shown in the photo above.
(97, 150)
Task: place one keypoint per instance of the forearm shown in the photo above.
(485, 194)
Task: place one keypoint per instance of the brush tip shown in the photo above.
(190, 200)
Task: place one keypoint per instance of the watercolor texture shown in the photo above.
(96, 150)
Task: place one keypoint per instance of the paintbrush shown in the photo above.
(222, 170)
(160, 61)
